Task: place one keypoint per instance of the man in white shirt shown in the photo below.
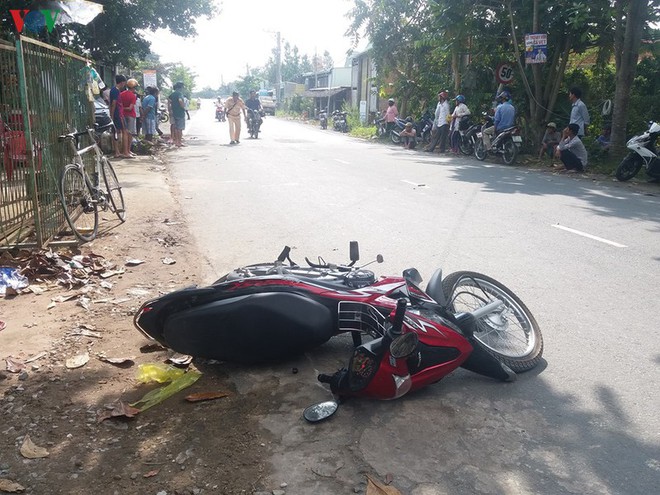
(440, 124)
(579, 112)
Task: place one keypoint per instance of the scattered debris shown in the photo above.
(77, 361)
(87, 333)
(3, 325)
(31, 451)
(168, 261)
(11, 281)
(36, 357)
(202, 396)
(134, 262)
(10, 486)
(375, 487)
(151, 474)
(14, 365)
(118, 410)
(179, 359)
(121, 362)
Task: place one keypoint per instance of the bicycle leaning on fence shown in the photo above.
(83, 194)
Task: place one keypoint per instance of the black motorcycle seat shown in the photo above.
(250, 328)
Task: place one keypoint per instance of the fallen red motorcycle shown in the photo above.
(271, 311)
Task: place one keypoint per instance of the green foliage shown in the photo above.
(117, 36)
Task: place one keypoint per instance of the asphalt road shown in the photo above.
(582, 254)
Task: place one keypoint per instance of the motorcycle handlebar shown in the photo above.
(399, 313)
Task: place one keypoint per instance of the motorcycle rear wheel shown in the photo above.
(509, 152)
(629, 167)
(480, 150)
(465, 145)
(511, 334)
(396, 139)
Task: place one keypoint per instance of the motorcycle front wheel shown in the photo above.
(629, 167)
(509, 152)
(396, 139)
(511, 333)
(480, 150)
(164, 117)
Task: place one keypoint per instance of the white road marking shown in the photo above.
(584, 234)
(416, 184)
(342, 161)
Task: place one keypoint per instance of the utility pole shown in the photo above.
(278, 75)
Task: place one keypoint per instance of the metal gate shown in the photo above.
(43, 94)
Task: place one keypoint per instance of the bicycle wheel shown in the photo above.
(80, 208)
(113, 189)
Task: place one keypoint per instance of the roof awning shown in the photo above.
(323, 92)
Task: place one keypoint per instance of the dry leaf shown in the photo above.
(3, 325)
(121, 409)
(134, 262)
(375, 487)
(168, 261)
(10, 486)
(389, 477)
(77, 361)
(14, 365)
(205, 396)
(31, 451)
(151, 474)
(122, 362)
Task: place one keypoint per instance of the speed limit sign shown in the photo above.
(504, 73)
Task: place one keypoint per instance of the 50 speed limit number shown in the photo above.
(504, 73)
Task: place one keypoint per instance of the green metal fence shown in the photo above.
(43, 94)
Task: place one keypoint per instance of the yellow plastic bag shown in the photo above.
(161, 373)
(156, 372)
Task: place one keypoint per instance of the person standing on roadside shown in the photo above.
(440, 124)
(178, 114)
(128, 99)
(234, 106)
(461, 111)
(579, 112)
(117, 111)
(391, 113)
(149, 113)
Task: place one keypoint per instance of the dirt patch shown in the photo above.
(177, 446)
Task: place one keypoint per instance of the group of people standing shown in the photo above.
(132, 112)
(567, 146)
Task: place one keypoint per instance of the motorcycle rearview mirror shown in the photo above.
(413, 275)
(404, 345)
(379, 259)
(354, 249)
(319, 412)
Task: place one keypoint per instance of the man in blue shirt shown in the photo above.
(579, 112)
(505, 117)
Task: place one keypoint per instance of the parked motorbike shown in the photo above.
(323, 119)
(381, 127)
(163, 114)
(220, 114)
(423, 128)
(339, 122)
(507, 144)
(254, 121)
(643, 152)
(271, 311)
(468, 138)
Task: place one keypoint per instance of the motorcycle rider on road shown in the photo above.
(505, 117)
(253, 102)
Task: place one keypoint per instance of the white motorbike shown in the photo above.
(642, 153)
